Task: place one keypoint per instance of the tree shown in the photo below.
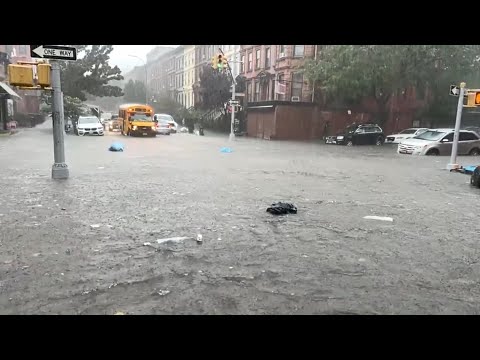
(349, 73)
(91, 73)
(72, 107)
(214, 88)
(134, 92)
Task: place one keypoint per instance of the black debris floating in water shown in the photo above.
(282, 208)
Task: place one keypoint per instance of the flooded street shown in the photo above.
(88, 245)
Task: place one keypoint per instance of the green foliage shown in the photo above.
(72, 107)
(349, 73)
(166, 105)
(134, 92)
(91, 73)
(214, 88)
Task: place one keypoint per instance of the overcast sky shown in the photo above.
(119, 55)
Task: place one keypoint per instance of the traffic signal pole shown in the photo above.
(232, 123)
(232, 106)
(453, 158)
(59, 167)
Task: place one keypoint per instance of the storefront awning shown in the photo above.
(7, 89)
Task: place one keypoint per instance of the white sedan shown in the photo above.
(404, 134)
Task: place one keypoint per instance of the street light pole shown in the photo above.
(146, 76)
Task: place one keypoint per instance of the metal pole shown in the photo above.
(232, 124)
(453, 158)
(59, 167)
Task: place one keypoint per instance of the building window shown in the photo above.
(298, 50)
(249, 91)
(257, 59)
(267, 58)
(242, 64)
(250, 61)
(282, 51)
(257, 91)
(297, 85)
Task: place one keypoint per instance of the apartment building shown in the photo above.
(272, 72)
(29, 101)
(189, 75)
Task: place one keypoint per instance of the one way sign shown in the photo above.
(53, 52)
(454, 90)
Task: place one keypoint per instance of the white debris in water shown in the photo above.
(231, 267)
(36, 254)
(361, 260)
(172, 239)
(95, 226)
(380, 218)
(147, 244)
(199, 238)
(163, 292)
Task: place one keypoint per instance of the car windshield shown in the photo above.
(87, 120)
(408, 131)
(140, 117)
(164, 118)
(431, 135)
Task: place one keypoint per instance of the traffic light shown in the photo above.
(473, 99)
(43, 72)
(20, 75)
(477, 98)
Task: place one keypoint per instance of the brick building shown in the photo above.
(272, 72)
(28, 102)
(203, 56)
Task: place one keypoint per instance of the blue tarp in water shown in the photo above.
(116, 147)
(469, 169)
(226, 150)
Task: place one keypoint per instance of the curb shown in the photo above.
(10, 133)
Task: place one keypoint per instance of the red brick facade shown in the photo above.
(30, 103)
(272, 72)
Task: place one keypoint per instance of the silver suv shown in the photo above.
(439, 142)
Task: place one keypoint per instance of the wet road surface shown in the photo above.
(327, 259)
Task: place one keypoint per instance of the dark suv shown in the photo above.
(362, 134)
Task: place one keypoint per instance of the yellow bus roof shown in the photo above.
(125, 106)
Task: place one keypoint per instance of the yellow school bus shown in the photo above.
(137, 119)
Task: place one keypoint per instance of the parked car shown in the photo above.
(439, 142)
(361, 134)
(89, 125)
(475, 129)
(404, 134)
